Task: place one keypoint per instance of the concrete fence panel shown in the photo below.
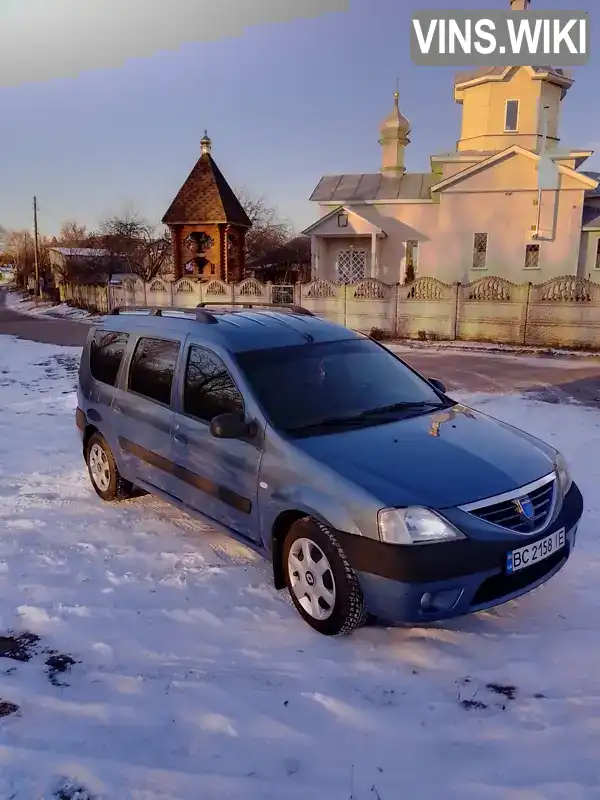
(186, 293)
(426, 309)
(251, 291)
(159, 293)
(326, 299)
(564, 312)
(492, 309)
(370, 304)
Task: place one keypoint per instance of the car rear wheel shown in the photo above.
(321, 582)
(102, 468)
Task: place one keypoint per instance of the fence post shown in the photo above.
(397, 287)
(455, 321)
(345, 285)
(526, 316)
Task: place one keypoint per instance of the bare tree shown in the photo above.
(72, 234)
(268, 232)
(19, 246)
(131, 241)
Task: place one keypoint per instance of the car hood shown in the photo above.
(441, 459)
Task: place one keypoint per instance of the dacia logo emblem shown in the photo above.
(525, 508)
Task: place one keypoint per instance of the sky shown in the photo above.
(103, 102)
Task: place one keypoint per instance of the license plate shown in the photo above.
(536, 552)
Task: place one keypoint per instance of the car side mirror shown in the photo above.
(229, 426)
(438, 385)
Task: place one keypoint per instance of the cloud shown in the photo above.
(46, 39)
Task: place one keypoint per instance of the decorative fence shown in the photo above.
(562, 312)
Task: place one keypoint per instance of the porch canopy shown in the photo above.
(345, 223)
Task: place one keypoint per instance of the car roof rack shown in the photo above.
(293, 309)
(201, 312)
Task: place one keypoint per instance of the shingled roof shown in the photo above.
(206, 197)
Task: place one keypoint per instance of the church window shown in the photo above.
(342, 220)
(412, 255)
(511, 115)
(532, 256)
(597, 264)
(480, 246)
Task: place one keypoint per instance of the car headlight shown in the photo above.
(562, 472)
(415, 525)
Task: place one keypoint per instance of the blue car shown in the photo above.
(372, 493)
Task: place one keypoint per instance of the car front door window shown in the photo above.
(209, 388)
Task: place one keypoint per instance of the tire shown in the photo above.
(328, 598)
(104, 475)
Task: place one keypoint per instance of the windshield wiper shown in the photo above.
(329, 422)
(417, 404)
(357, 419)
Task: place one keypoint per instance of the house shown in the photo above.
(507, 201)
(208, 224)
(83, 265)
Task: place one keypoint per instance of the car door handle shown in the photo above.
(180, 439)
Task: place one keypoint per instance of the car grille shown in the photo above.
(509, 512)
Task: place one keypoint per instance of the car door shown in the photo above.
(143, 412)
(217, 477)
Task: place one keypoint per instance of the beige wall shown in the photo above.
(483, 112)
(507, 219)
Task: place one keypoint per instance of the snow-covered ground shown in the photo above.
(193, 678)
(60, 310)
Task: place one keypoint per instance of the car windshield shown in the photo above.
(318, 387)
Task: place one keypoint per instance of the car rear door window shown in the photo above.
(107, 349)
(153, 369)
(209, 388)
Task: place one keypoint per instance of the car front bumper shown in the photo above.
(435, 582)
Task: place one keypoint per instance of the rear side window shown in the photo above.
(107, 349)
(153, 368)
(209, 388)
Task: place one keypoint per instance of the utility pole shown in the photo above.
(36, 249)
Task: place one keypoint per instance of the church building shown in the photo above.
(507, 201)
(208, 224)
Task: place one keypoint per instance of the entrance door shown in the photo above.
(352, 265)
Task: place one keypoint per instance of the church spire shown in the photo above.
(205, 144)
(394, 131)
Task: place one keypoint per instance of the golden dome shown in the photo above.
(395, 124)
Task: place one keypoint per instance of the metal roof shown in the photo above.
(374, 186)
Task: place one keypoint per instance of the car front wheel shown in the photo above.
(321, 582)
